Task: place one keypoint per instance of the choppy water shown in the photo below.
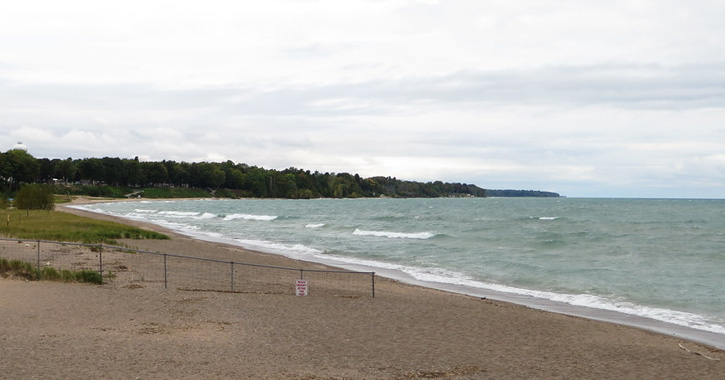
(660, 259)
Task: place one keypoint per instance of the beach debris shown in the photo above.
(697, 353)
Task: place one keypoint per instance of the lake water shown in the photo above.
(661, 259)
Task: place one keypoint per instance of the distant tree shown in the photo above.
(18, 166)
(47, 169)
(35, 197)
(233, 176)
(92, 170)
(179, 174)
(65, 169)
(207, 175)
(132, 172)
(113, 171)
(155, 173)
(257, 181)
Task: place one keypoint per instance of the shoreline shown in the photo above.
(706, 337)
(405, 332)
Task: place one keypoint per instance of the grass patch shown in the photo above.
(61, 226)
(18, 268)
(22, 269)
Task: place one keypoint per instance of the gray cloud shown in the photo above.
(626, 98)
(620, 86)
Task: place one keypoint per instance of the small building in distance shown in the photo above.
(20, 146)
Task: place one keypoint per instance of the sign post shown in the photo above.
(301, 288)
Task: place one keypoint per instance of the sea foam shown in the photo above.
(250, 217)
(178, 214)
(443, 276)
(292, 250)
(394, 235)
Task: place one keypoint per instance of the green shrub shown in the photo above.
(67, 276)
(89, 276)
(49, 273)
(18, 268)
(35, 197)
(28, 271)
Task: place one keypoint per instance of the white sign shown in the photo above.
(301, 288)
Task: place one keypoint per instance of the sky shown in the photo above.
(619, 98)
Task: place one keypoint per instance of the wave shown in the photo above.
(315, 225)
(290, 250)
(250, 217)
(178, 227)
(143, 214)
(179, 214)
(443, 276)
(395, 235)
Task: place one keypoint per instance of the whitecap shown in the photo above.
(143, 211)
(179, 227)
(315, 225)
(394, 235)
(178, 214)
(250, 217)
(294, 250)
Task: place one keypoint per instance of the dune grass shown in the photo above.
(60, 226)
(19, 268)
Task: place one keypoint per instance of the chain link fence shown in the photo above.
(134, 268)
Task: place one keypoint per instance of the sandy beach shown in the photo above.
(59, 331)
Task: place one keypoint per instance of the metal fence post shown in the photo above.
(166, 284)
(38, 246)
(372, 274)
(232, 262)
(100, 261)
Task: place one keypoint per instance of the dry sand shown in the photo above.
(62, 331)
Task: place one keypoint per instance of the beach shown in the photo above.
(58, 331)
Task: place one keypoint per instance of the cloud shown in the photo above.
(569, 96)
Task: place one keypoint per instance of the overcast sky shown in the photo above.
(619, 98)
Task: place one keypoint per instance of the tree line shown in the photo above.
(225, 179)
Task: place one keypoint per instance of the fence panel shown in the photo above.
(264, 279)
(197, 274)
(12, 249)
(135, 268)
(69, 256)
(341, 284)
